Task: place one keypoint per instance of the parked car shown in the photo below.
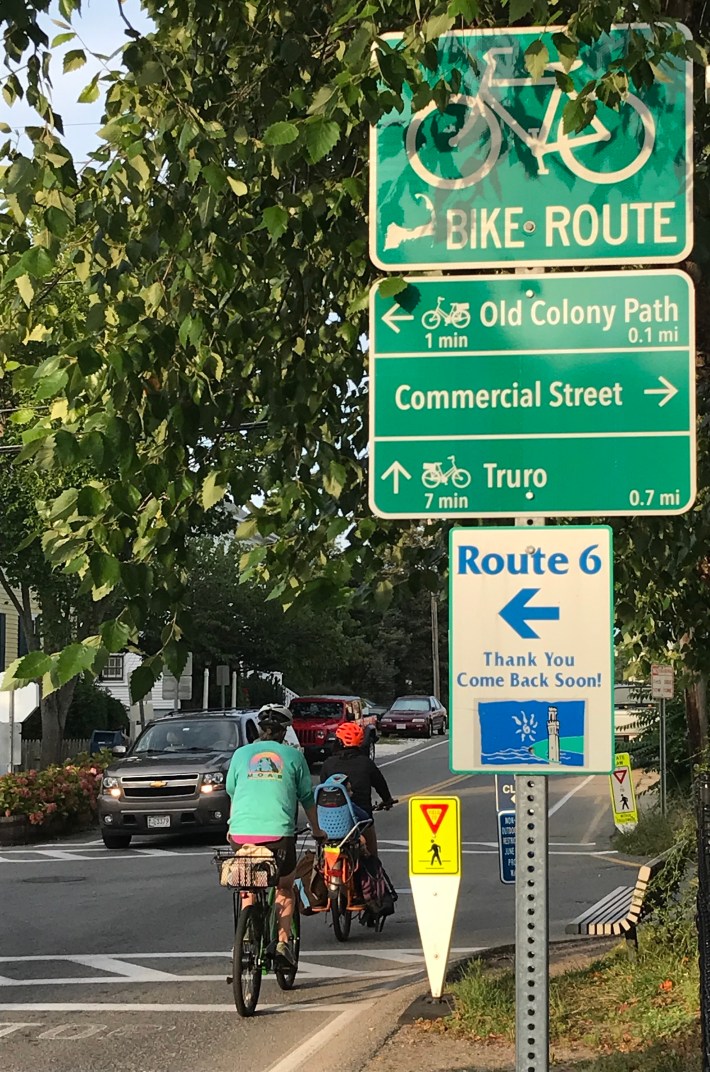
(107, 739)
(420, 715)
(316, 718)
(372, 708)
(173, 778)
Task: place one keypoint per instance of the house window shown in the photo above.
(113, 671)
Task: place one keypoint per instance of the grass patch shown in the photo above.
(613, 1007)
(654, 833)
(681, 1053)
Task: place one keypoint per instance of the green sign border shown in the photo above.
(584, 257)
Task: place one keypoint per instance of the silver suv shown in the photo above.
(173, 778)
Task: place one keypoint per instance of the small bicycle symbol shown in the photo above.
(485, 114)
(457, 317)
(434, 474)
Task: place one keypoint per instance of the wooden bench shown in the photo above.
(621, 910)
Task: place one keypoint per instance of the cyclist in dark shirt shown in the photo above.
(362, 773)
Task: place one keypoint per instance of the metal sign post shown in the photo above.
(662, 689)
(532, 1046)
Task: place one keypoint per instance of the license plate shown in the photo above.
(159, 821)
(401, 725)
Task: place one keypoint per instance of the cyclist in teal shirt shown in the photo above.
(267, 781)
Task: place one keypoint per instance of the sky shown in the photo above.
(102, 30)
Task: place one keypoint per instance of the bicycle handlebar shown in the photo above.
(386, 805)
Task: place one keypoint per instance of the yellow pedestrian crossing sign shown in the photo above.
(434, 836)
(623, 799)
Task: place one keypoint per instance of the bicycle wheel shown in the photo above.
(286, 977)
(430, 320)
(246, 960)
(590, 174)
(455, 149)
(461, 478)
(342, 919)
(430, 478)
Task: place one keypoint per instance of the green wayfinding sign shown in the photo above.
(497, 396)
(494, 181)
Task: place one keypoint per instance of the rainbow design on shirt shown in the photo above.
(264, 764)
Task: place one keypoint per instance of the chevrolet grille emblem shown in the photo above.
(158, 785)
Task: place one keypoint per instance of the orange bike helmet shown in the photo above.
(351, 734)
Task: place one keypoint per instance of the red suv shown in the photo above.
(316, 718)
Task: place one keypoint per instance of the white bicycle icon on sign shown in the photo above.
(484, 108)
(434, 474)
(458, 316)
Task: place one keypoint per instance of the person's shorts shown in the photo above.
(284, 850)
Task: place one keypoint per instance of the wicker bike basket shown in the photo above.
(251, 867)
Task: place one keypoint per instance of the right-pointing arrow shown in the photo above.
(667, 390)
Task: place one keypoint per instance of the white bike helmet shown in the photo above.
(275, 715)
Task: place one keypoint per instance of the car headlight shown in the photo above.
(110, 786)
(210, 782)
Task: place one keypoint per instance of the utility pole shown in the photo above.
(435, 646)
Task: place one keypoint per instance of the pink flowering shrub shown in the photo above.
(69, 790)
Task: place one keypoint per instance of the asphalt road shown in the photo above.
(117, 960)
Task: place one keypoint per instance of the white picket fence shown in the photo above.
(31, 751)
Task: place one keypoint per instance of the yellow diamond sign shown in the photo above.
(434, 836)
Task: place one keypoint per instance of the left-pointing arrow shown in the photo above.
(393, 315)
(396, 471)
(517, 613)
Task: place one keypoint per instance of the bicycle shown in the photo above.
(254, 870)
(458, 316)
(434, 474)
(486, 107)
(340, 863)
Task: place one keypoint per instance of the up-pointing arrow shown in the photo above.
(667, 390)
(396, 471)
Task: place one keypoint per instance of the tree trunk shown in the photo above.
(54, 710)
(697, 716)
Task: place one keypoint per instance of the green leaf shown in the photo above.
(90, 93)
(32, 666)
(280, 134)
(38, 262)
(434, 27)
(115, 635)
(275, 219)
(213, 489)
(90, 501)
(142, 680)
(238, 187)
(392, 285)
(517, 9)
(322, 135)
(72, 661)
(334, 480)
(536, 59)
(383, 594)
(25, 288)
(105, 571)
(21, 174)
(62, 38)
(74, 59)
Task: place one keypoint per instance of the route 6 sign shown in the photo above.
(495, 181)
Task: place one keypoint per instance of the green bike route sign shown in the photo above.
(542, 395)
(494, 181)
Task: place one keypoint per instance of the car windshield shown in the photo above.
(410, 703)
(189, 735)
(317, 709)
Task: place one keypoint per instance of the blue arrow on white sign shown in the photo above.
(517, 613)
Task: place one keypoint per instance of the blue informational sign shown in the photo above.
(505, 792)
(506, 846)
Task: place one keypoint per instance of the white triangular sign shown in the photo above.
(435, 900)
